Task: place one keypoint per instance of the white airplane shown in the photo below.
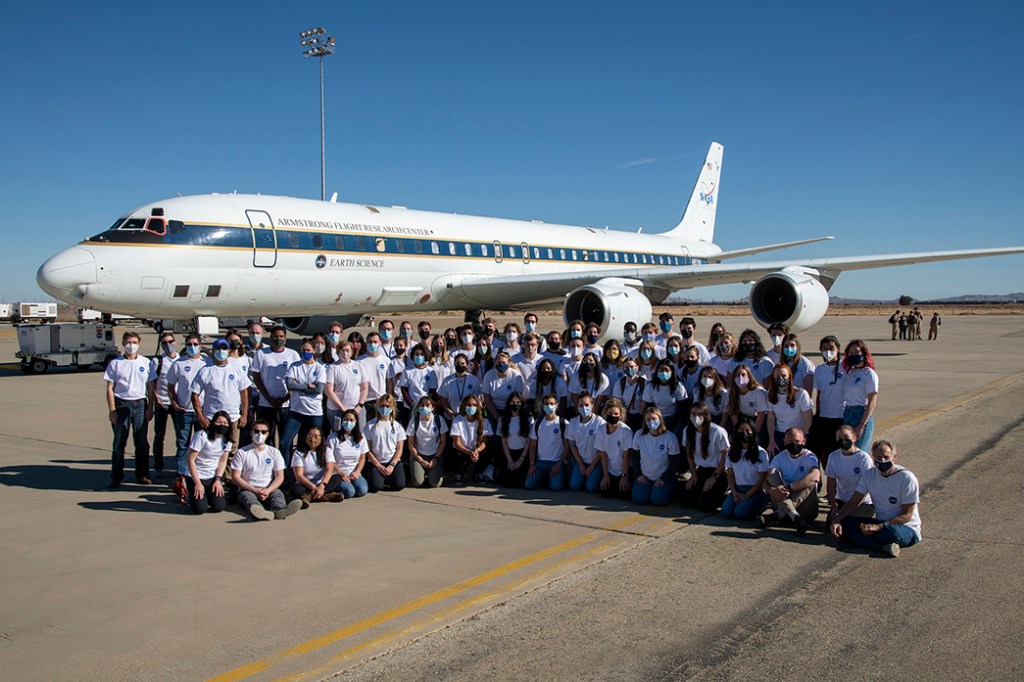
(310, 262)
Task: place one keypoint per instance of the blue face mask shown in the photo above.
(348, 426)
(502, 367)
(631, 371)
(372, 347)
(426, 411)
(470, 411)
(789, 352)
(672, 350)
(664, 376)
(652, 424)
(334, 338)
(384, 411)
(220, 355)
(646, 353)
(386, 334)
(666, 326)
(419, 360)
(406, 333)
(648, 337)
(585, 410)
(550, 409)
(192, 349)
(306, 356)
(575, 334)
(593, 338)
(531, 326)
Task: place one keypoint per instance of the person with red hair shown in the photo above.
(860, 392)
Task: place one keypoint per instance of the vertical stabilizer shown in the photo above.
(698, 221)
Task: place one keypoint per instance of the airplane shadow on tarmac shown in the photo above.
(53, 476)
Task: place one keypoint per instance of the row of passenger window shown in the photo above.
(495, 250)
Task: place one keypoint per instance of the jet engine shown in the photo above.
(307, 326)
(610, 303)
(792, 296)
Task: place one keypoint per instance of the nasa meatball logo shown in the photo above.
(231, 377)
(856, 470)
(320, 261)
(801, 468)
(142, 369)
(661, 447)
(892, 500)
(266, 461)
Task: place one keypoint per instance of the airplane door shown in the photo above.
(264, 239)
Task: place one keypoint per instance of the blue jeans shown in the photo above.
(131, 414)
(555, 481)
(297, 424)
(852, 416)
(745, 510)
(356, 488)
(577, 481)
(901, 534)
(646, 493)
(184, 427)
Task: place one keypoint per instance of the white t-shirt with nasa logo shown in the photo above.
(128, 376)
(549, 436)
(791, 468)
(427, 433)
(310, 467)
(654, 452)
(272, 366)
(346, 378)
(846, 470)
(857, 385)
(375, 370)
(501, 387)
(383, 437)
(258, 467)
(221, 387)
(787, 416)
(469, 431)
(752, 402)
(346, 453)
(180, 376)
(718, 442)
(615, 445)
(745, 472)
(584, 434)
(828, 381)
(890, 493)
(208, 454)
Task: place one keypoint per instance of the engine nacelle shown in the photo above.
(791, 296)
(307, 326)
(609, 303)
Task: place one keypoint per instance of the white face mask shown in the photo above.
(776, 340)
(697, 420)
(708, 382)
(467, 339)
(259, 438)
(829, 355)
(131, 348)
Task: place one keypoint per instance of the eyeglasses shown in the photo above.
(265, 433)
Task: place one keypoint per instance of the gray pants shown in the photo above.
(274, 502)
(433, 477)
(803, 502)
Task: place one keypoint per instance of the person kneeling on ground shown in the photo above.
(895, 493)
(314, 476)
(746, 467)
(792, 484)
(658, 452)
(257, 470)
(207, 458)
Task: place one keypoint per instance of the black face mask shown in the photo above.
(749, 347)
(884, 467)
(690, 364)
(438, 349)
(845, 443)
(795, 448)
(554, 346)
(545, 375)
(612, 419)
(219, 429)
(424, 334)
(514, 409)
(450, 342)
(744, 438)
(460, 369)
(235, 345)
(687, 333)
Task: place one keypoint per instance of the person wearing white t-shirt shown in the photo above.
(207, 459)
(793, 357)
(386, 438)
(257, 471)
(127, 379)
(426, 437)
(159, 368)
(860, 392)
(528, 359)
(546, 380)
(580, 434)
(514, 432)
(305, 380)
(658, 451)
(777, 334)
(349, 449)
(179, 390)
(751, 353)
(346, 386)
(498, 384)
(630, 340)
(223, 386)
(588, 378)
(612, 445)
(630, 391)
(789, 406)
(269, 369)
(456, 387)
(313, 477)
(706, 445)
(375, 364)
(791, 484)
(748, 402)
(548, 449)
(828, 399)
(592, 337)
(746, 467)
(711, 391)
(469, 433)
(664, 391)
(895, 493)
(687, 330)
(419, 380)
(844, 470)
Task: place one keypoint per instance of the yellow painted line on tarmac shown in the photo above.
(416, 604)
(387, 638)
(10, 366)
(917, 416)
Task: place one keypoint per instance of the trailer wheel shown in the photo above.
(26, 369)
(39, 366)
(82, 368)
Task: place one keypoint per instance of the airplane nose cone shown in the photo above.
(66, 275)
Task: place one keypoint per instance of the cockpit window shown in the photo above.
(134, 224)
(116, 224)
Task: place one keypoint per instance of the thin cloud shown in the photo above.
(638, 162)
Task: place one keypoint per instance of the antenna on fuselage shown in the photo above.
(640, 230)
(334, 198)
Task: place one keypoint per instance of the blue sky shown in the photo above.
(893, 126)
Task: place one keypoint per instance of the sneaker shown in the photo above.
(768, 520)
(260, 513)
(334, 497)
(293, 507)
(180, 489)
(801, 526)
(458, 478)
(892, 549)
(305, 500)
(113, 485)
(143, 481)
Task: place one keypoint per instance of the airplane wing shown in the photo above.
(760, 249)
(519, 290)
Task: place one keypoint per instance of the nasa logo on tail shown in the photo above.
(707, 195)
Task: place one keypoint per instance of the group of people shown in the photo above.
(906, 326)
(737, 425)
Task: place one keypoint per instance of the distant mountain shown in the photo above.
(982, 298)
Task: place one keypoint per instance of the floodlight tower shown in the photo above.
(319, 44)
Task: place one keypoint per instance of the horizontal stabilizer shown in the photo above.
(760, 249)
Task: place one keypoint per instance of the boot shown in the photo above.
(334, 497)
(306, 499)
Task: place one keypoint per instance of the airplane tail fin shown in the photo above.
(698, 221)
